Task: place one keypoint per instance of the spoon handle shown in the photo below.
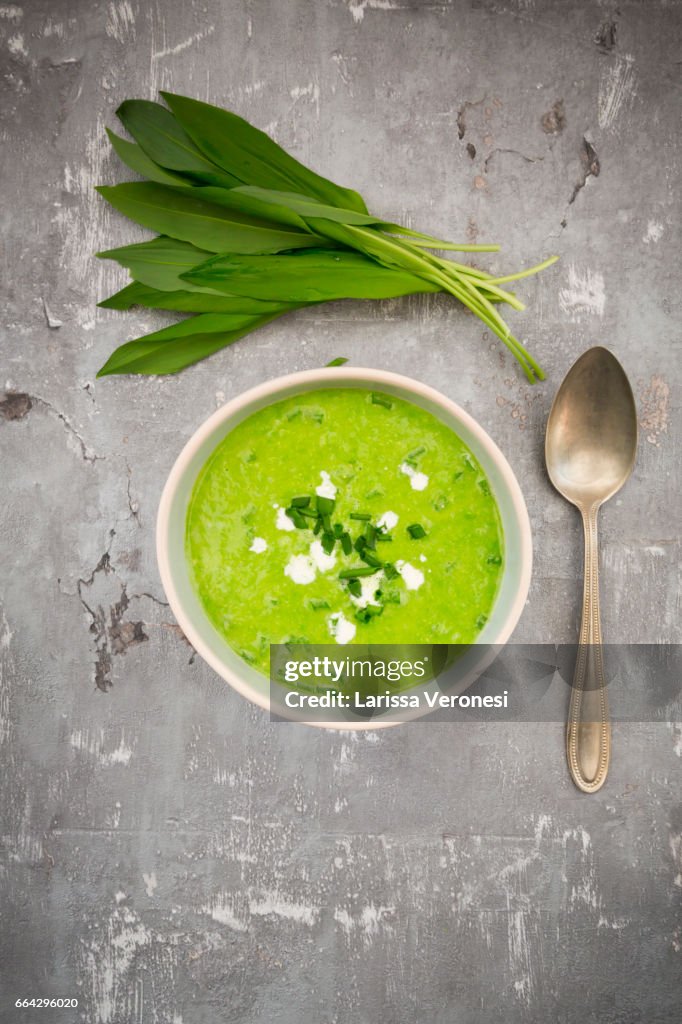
(588, 735)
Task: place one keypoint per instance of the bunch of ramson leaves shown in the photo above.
(247, 233)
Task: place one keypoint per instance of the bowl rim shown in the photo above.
(322, 375)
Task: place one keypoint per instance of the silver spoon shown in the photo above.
(590, 449)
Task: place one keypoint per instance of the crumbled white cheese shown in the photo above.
(369, 586)
(326, 489)
(341, 628)
(282, 521)
(413, 577)
(300, 569)
(388, 521)
(422, 558)
(418, 481)
(322, 560)
(259, 545)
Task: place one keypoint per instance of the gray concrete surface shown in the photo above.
(170, 856)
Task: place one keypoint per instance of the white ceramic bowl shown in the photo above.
(170, 528)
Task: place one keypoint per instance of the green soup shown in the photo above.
(343, 516)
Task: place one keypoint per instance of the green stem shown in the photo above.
(467, 293)
(395, 253)
(524, 273)
(430, 242)
(486, 312)
(481, 279)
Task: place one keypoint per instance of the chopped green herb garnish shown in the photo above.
(371, 611)
(328, 542)
(325, 506)
(381, 536)
(357, 571)
(481, 621)
(301, 502)
(416, 531)
(317, 604)
(338, 530)
(346, 543)
(376, 492)
(378, 399)
(360, 544)
(327, 523)
(494, 559)
(416, 452)
(364, 517)
(441, 502)
(371, 535)
(390, 571)
(355, 588)
(370, 558)
(318, 526)
(299, 521)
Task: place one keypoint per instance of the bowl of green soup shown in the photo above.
(340, 506)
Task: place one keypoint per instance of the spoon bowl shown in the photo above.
(591, 437)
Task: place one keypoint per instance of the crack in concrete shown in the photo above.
(113, 633)
(514, 152)
(462, 115)
(16, 405)
(152, 597)
(590, 167)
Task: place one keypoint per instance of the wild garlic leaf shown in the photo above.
(303, 205)
(152, 354)
(138, 294)
(252, 156)
(315, 276)
(234, 199)
(166, 143)
(202, 323)
(174, 212)
(126, 298)
(134, 156)
(269, 205)
(159, 262)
